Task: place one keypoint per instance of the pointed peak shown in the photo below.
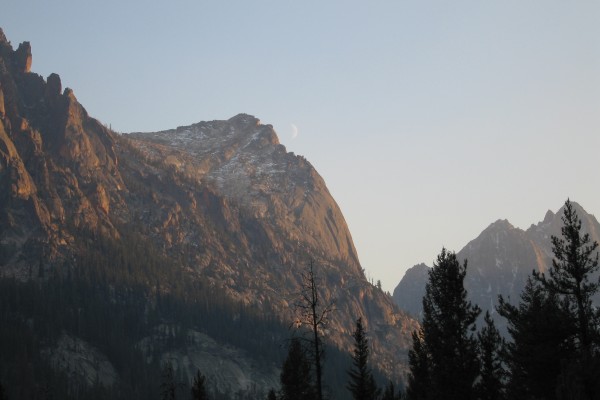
(418, 268)
(557, 217)
(549, 217)
(53, 85)
(68, 92)
(576, 206)
(23, 57)
(502, 224)
(246, 119)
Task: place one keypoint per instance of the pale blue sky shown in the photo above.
(427, 119)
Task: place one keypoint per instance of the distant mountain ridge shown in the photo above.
(499, 260)
(223, 200)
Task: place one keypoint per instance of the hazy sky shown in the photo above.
(427, 119)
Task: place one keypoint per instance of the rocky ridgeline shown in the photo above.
(58, 166)
(499, 261)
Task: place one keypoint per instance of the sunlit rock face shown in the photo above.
(23, 57)
(57, 167)
(242, 160)
(224, 198)
(501, 258)
(273, 214)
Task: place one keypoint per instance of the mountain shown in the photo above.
(271, 213)
(186, 245)
(411, 289)
(499, 260)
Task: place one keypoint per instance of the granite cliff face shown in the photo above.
(58, 166)
(258, 183)
(223, 198)
(501, 258)
(255, 215)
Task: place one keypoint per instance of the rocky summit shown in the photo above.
(223, 201)
(269, 214)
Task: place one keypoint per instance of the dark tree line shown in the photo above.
(554, 346)
(105, 299)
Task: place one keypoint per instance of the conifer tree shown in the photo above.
(571, 277)
(167, 387)
(271, 395)
(198, 387)
(362, 384)
(539, 328)
(491, 377)
(420, 368)
(575, 260)
(443, 361)
(390, 392)
(296, 378)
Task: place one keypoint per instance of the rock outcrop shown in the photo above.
(230, 369)
(23, 57)
(53, 159)
(82, 362)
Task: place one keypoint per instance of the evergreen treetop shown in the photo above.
(271, 395)
(198, 387)
(575, 261)
(362, 384)
(296, 378)
(539, 328)
(167, 387)
(490, 384)
(444, 352)
(572, 277)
